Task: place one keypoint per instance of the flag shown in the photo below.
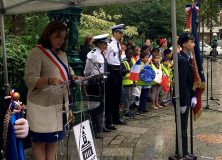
(135, 71)
(14, 146)
(199, 78)
(189, 10)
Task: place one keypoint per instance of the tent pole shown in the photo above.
(176, 77)
(4, 50)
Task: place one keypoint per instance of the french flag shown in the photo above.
(188, 9)
(135, 71)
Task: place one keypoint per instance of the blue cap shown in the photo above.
(118, 28)
(101, 38)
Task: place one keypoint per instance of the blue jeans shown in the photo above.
(143, 99)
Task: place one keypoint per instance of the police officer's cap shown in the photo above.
(118, 28)
(101, 38)
(184, 37)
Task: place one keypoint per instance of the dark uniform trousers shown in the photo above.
(113, 86)
(184, 125)
(186, 80)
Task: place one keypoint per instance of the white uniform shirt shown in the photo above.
(113, 53)
(94, 62)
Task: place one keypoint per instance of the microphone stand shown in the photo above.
(211, 97)
(211, 73)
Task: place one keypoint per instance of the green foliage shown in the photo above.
(17, 47)
(91, 25)
(17, 51)
(32, 25)
(210, 10)
(153, 18)
(101, 14)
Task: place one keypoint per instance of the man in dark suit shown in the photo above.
(186, 80)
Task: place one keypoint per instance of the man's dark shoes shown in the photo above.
(98, 136)
(141, 113)
(111, 127)
(129, 115)
(193, 156)
(187, 157)
(120, 122)
(106, 130)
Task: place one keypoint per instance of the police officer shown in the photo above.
(96, 64)
(114, 81)
(187, 94)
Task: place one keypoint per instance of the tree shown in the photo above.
(98, 23)
(152, 18)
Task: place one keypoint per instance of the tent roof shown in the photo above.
(27, 6)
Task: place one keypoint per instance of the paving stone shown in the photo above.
(115, 142)
(118, 152)
(132, 130)
(108, 138)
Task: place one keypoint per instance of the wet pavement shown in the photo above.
(152, 137)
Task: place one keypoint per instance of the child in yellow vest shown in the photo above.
(144, 90)
(169, 54)
(127, 63)
(167, 71)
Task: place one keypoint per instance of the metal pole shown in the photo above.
(176, 76)
(4, 51)
(211, 77)
(207, 106)
(191, 130)
(202, 35)
(211, 23)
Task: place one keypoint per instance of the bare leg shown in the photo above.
(38, 150)
(50, 151)
(153, 95)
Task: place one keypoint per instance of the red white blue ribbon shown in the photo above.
(63, 69)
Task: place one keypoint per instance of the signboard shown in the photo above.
(84, 141)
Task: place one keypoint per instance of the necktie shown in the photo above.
(119, 52)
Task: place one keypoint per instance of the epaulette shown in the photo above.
(93, 50)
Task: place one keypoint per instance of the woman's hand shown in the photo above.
(21, 128)
(54, 81)
(77, 78)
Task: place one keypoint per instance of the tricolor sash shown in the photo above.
(63, 69)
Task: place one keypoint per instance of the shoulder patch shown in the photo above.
(93, 50)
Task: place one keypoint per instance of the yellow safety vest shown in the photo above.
(126, 80)
(165, 70)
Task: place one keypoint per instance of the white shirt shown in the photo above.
(94, 62)
(113, 53)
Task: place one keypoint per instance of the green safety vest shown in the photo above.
(168, 72)
(126, 80)
(165, 70)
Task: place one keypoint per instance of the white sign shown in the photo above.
(84, 141)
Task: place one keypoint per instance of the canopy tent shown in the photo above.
(28, 6)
